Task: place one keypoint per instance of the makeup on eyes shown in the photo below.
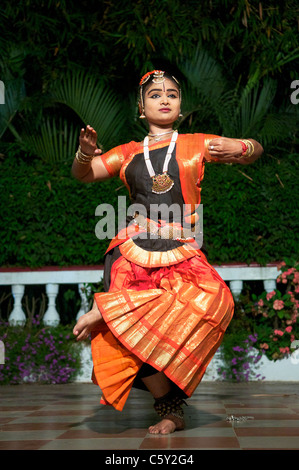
(159, 90)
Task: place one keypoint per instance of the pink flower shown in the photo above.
(261, 303)
(280, 265)
(288, 329)
(264, 346)
(278, 304)
(270, 295)
(284, 350)
(278, 332)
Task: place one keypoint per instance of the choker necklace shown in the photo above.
(161, 183)
(157, 136)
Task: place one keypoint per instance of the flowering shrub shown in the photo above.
(240, 361)
(275, 314)
(35, 353)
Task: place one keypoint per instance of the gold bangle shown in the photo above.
(84, 154)
(249, 150)
(83, 162)
(82, 157)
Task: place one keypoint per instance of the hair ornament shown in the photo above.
(158, 77)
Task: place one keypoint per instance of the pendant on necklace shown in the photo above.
(162, 183)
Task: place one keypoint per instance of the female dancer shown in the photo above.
(165, 309)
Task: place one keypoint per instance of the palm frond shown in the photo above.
(14, 93)
(93, 102)
(54, 141)
(245, 115)
(205, 74)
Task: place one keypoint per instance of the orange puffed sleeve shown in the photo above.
(114, 158)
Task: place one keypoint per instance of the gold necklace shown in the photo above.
(161, 183)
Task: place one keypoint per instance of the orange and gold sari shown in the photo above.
(168, 309)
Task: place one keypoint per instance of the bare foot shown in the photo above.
(87, 323)
(168, 425)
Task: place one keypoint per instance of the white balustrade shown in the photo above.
(84, 292)
(17, 316)
(234, 275)
(51, 317)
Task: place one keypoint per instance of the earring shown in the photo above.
(142, 115)
(180, 115)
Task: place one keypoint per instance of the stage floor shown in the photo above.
(69, 417)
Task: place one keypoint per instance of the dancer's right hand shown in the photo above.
(88, 141)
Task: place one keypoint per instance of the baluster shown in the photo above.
(84, 291)
(51, 317)
(269, 285)
(236, 287)
(17, 316)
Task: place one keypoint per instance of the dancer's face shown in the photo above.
(162, 103)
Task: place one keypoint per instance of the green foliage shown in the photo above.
(93, 102)
(35, 353)
(49, 216)
(217, 105)
(250, 213)
(275, 314)
(45, 43)
(54, 140)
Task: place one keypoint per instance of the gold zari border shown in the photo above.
(145, 258)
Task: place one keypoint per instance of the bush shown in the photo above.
(250, 213)
(263, 325)
(240, 359)
(275, 314)
(36, 353)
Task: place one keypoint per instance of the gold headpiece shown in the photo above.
(158, 76)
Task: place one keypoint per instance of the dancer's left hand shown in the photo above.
(225, 147)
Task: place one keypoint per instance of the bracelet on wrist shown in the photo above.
(247, 148)
(82, 157)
